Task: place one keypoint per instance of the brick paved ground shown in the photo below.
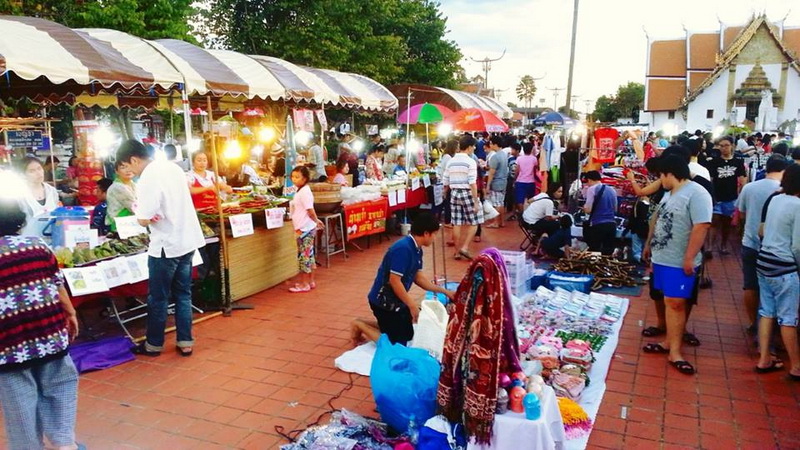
(274, 366)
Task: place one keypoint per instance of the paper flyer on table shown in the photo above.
(85, 280)
(275, 217)
(116, 272)
(128, 226)
(426, 180)
(138, 267)
(241, 225)
(401, 196)
(414, 184)
(392, 198)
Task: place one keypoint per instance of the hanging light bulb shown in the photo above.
(232, 150)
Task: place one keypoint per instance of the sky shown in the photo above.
(611, 45)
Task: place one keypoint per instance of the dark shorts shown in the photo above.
(523, 191)
(396, 325)
(674, 283)
(749, 274)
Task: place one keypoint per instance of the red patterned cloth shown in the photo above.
(475, 352)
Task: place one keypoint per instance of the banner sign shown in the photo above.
(365, 218)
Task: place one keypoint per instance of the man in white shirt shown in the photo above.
(165, 206)
(316, 160)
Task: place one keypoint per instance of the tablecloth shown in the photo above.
(414, 199)
(512, 431)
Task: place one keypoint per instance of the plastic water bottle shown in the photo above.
(413, 432)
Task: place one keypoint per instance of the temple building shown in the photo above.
(744, 75)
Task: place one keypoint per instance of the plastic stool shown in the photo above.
(332, 236)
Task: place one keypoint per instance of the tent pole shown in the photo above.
(187, 118)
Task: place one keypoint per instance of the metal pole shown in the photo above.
(187, 119)
(572, 54)
(226, 295)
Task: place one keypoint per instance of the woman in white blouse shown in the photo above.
(39, 200)
(201, 182)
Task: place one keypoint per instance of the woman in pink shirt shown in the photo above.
(524, 186)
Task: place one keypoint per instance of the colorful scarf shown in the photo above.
(474, 350)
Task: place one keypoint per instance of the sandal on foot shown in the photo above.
(141, 349)
(683, 367)
(466, 255)
(794, 377)
(691, 340)
(774, 366)
(457, 257)
(451, 244)
(185, 351)
(476, 239)
(655, 348)
(653, 332)
(297, 289)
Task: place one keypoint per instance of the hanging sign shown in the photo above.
(426, 180)
(414, 184)
(303, 120)
(241, 225)
(323, 121)
(27, 139)
(401, 196)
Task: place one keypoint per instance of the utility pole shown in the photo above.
(572, 51)
(587, 103)
(572, 103)
(487, 66)
(555, 97)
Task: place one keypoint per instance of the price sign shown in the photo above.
(241, 225)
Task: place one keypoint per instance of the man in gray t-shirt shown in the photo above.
(683, 220)
(750, 203)
(497, 178)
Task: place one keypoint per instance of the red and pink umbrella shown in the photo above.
(474, 119)
(424, 113)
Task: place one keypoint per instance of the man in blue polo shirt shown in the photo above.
(601, 205)
(394, 309)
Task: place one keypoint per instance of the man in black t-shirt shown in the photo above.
(728, 176)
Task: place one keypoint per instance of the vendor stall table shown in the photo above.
(414, 199)
(261, 260)
(512, 431)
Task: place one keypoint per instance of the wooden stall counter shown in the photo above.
(261, 260)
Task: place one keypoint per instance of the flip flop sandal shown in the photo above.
(451, 244)
(683, 367)
(297, 289)
(774, 366)
(141, 349)
(466, 255)
(184, 351)
(457, 257)
(655, 348)
(653, 332)
(691, 340)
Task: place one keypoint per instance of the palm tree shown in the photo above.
(526, 90)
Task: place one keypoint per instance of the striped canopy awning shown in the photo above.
(42, 57)
(47, 61)
(455, 100)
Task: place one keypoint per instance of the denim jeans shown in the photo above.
(40, 401)
(170, 279)
(637, 244)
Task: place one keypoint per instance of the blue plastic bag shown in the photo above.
(404, 383)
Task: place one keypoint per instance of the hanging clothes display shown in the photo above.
(481, 344)
(555, 157)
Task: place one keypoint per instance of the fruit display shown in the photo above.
(109, 249)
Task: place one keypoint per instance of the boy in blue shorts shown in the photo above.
(683, 220)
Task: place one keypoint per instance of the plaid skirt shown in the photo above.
(462, 208)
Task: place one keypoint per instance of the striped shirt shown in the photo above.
(461, 172)
(780, 249)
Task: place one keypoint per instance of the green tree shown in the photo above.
(149, 19)
(526, 90)
(627, 102)
(388, 40)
